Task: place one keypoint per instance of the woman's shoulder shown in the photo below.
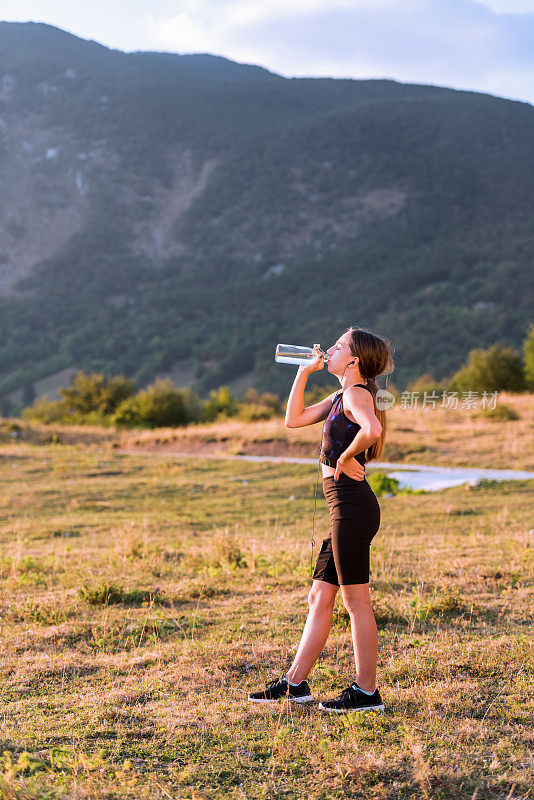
(358, 391)
(361, 386)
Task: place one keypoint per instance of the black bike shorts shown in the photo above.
(354, 520)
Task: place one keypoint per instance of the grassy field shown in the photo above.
(143, 597)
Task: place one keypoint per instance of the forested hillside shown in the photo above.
(166, 214)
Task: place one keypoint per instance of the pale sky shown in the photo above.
(480, 45)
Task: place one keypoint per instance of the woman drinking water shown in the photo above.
(354, 433)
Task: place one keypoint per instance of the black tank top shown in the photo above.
(338, 432)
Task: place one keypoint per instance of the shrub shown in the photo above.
(381, 484)
(43, 409)
(250, 412)
(97, 392)
(90, 399)
(269, 399)
(256, 406)
(158, 406)
(498, 368)
(221, 404)
(501, 411)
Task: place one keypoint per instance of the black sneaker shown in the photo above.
(353, 699)
(280, 687)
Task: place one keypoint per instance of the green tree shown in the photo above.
(498, 368)
(220, 403)
(97, 392)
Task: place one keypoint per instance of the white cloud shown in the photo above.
(460, 43)
(203, 23)
(509, 6)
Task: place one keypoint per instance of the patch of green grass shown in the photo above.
(109, 593)
(382, 484)
(42, 612)
(502, 411)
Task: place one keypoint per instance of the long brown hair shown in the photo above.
(375, 354)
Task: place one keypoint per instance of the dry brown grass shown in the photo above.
(206, 578)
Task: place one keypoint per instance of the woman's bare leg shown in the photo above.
(321, 601)
(364, 633)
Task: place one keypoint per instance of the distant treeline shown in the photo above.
(101, 399)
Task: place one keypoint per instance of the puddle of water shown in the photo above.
(421, 476)
(413, 476)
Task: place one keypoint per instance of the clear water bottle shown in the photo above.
(294, 354)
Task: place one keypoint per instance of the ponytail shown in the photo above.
(377, 448)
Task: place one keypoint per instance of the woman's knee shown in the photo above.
(356, 597)
(322, 594)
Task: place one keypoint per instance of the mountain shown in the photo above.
(181, 214)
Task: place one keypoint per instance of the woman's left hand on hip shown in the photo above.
(351, 467)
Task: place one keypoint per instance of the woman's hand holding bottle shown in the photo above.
(315, 365)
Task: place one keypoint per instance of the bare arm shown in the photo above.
(296, 415)
(356, 402)
(359, 444)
